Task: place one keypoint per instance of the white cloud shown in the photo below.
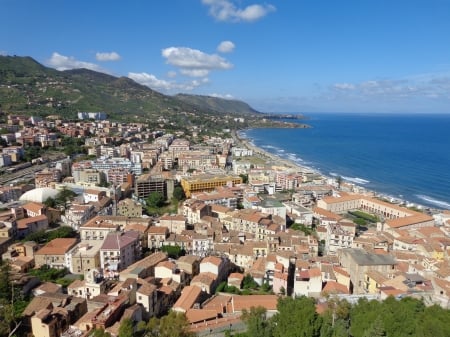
(3, 53)
(193, 62)
(344, 86)
(153, 82)
(224, 96)
(112, 56)
(225, 10)
(61, 62)
(172, 74)
(225, 47)
(413, 87)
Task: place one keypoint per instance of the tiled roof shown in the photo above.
(23, 223)
(57, 246)
(115, 241)
(188, 297)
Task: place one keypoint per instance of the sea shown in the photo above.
(405, 157)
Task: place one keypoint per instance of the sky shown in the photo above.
(384, 56)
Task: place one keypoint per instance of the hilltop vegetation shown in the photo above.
(31, 88)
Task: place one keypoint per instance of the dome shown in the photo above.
(39, 194)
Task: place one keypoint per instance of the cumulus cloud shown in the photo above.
(193, 62)
(61, 62)
(225, 10)
(112, 56)
(3, 53)
(225, 47)
(153, 82)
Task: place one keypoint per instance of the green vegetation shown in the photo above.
(172, 325)
(362, 215)
(12, 302)
(225, 288)
(173, 252)
(249, 287)
(47, 274)
(178, 193)
(392, 317)
(302, 228)
(44, 236)
(155, 200)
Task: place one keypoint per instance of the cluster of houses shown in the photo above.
(225, 230)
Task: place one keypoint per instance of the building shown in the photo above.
(357, 262)
(147, 184)
(31, 225)
(207, 182)
(55, 254)
(175, 223)
(119, 250)
(85, 257)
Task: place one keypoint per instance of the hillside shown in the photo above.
(28, 87)
(217, 104)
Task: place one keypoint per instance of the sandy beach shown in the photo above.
(270, 158)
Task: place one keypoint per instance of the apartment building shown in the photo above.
(119, 250)
(207, 182)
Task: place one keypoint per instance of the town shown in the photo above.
(138, 223)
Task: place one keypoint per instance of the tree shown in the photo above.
(155, 199)
(178, 193)
(257, 323)
(249, 283)
(126, 328)
(376, 329)
(296, 317)
(174, 324)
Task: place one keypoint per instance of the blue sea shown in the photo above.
(404, 156)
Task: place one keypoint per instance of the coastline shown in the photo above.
(271, 159)
(275, 160)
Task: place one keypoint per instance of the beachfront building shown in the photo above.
(207, 182)
(392, 216)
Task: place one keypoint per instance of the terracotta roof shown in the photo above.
(213, 260)
(188, 297)
(409, 220)
(200, 315)
(341, 271)
(115, 241)
(158, 230)
(23, 223)
(57, 246)
(269, 302)
(34, 207)
(332, 287)
(237, 276)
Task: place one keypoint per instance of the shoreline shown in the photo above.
(290, 164)
(246, 142)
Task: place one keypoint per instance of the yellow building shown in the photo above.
(207, 182)
(373, 280)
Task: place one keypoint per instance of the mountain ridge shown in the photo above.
(28, 87)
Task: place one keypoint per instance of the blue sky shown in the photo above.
(278, 56)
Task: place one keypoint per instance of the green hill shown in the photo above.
(27, 87)
(217, 104)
